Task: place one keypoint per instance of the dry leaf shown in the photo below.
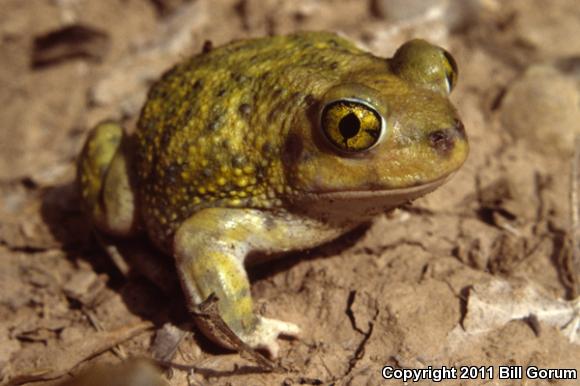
(493, 304)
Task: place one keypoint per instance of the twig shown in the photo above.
(113, 252)
(117, 349)
(207, 314)
(57, 361)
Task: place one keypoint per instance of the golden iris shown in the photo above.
(351, 126)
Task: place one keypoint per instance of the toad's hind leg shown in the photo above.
(106, 181)
(210, 248)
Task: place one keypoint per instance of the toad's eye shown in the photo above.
(425, 65)
(450, 70)
(351, 126)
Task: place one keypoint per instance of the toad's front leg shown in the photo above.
(210, 248)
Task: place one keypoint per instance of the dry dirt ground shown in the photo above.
(470, 275)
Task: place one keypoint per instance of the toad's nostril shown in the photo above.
(442, 141)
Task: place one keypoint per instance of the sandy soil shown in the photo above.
(400, 292)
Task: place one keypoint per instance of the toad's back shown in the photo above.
(213, 129)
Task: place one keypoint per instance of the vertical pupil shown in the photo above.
(349, 125)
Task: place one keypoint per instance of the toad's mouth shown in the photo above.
(410, 192)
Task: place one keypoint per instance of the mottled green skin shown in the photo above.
(213, 129)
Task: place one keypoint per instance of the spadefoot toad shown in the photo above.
(271, 145)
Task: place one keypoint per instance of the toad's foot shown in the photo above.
(209, 248)
(266, 333)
